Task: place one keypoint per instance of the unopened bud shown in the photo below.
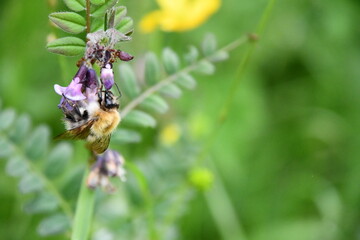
(124, 56)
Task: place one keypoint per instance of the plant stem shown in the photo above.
(134, 103)
(86, 200)
(88, 17)
(84, 211)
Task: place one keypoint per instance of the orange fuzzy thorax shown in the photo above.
(106, 122)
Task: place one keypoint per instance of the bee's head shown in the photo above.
(108, 100)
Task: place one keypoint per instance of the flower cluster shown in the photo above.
(108, 164)
(88, 101)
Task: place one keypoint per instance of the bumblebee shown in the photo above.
(91, 121)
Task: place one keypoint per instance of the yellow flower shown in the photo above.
(179, 15)
(170, 134)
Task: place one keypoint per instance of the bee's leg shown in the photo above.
(71, 110)
(120, 93)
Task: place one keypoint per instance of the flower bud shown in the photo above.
(107, 76)
(91, 79)
(124, 56)
(81, 73)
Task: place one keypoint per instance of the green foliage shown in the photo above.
(152, 69)
(75, 5)
(130, 85)
(68, 46)
(171, 61)
(139, 118)
(69, 21)
(100, 10)
(175, 76)
(209, 45)
(37, 165)
(75, 23)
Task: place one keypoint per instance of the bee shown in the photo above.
(93, 122)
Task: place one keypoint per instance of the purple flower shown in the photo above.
(109, 164)
(91, 79)
(107, 76)
(72, 92)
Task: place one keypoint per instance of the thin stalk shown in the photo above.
(88, 17)
(134, 103)
(84, 211)
(86, 200)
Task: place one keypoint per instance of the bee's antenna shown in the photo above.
(120, 93)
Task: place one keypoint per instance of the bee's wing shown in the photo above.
(81, 132)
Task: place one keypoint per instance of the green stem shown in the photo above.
(86, 200)
(134, 103)
(84, 211)
(88, 17)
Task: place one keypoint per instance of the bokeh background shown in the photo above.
(286, 162)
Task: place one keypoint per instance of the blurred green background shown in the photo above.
(287, 159)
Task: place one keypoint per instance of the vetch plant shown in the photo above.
(91, 112)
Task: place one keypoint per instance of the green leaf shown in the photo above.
(128, 78)
(16, 166)
(192, 55)
(52, 225)
(30, 183)
(42, 203)
(139, 118)
(186, 80)
(75, 5)
(120, 13)
(99, 11)
(6, 148)
(171, 90)
(209, 44)
(155, 103)
(152, 68)
(57, 159)
(69, 21)
(21, 128)
(68, 46)
(7, 118)
(205, 67)
(126, 25)
(97, 24)
(171, 61)
(37, 143)
(125, 136)
(219, 56)
(97, 2)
